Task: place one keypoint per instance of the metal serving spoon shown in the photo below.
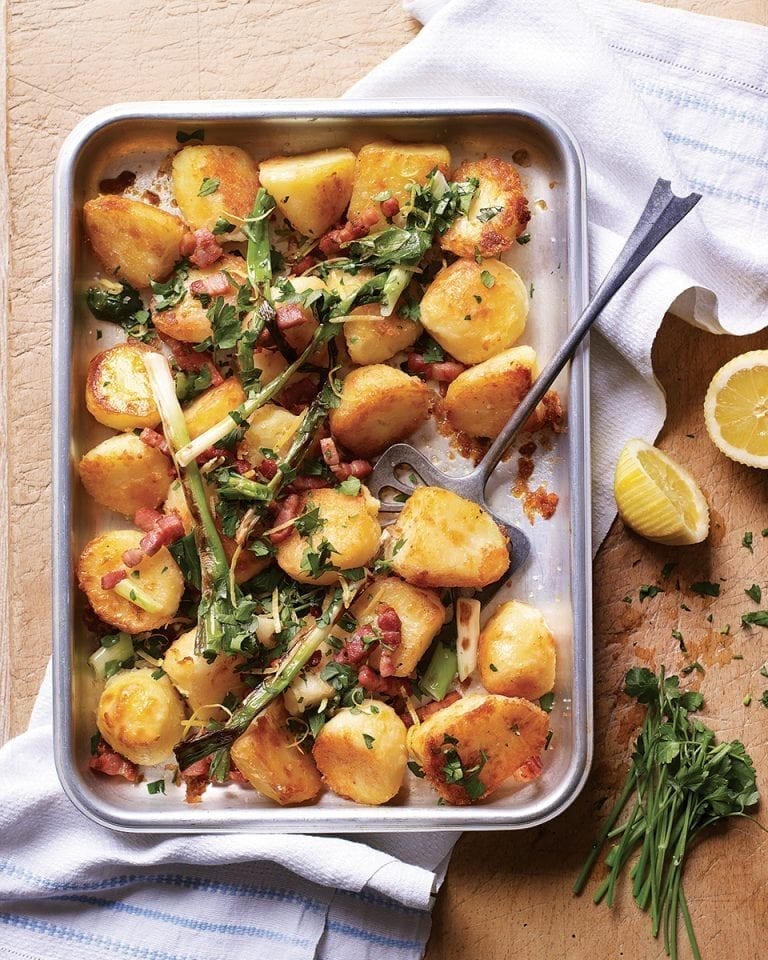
(663, 211)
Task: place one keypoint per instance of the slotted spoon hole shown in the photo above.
(408, 476)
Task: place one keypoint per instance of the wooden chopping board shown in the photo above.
(506, 893)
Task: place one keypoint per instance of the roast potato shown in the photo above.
(379, 405)
(311, 190)
(475, 310)
(117, 390)
(421, 616)
(271, 428)
(269, 758)
(481, 400)
(229, 171)
(188, 320)
(348, 524)
(496, 737)
(447, 541)
(385, 167)
(309, 689)
(372, 338)
(123, 474)
(497, 215)
(361, 753)
(141, 717)
(159, 576)
(516, 652)
(202, 683)
(213, 405)
(134, 241)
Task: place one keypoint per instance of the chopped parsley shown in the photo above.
(755, 593)
(183, 137)
(488, 213)
(415, 769)
(369, 741)
(547, 702)
(350, 486)
(524, 238)
(649, 590)
(170, 293)
(746, 541)
(156, 786)
(705, 588)
(759, 617)
(208, 186)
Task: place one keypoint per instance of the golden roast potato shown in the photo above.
(475, 310)
(134, 241)
(213, 405)
(379, 405)
(203, 684)
(471, 747)
(516, 652)
(497, 215)
(123, 474)
(447, 541)
(372, 338)
(158, 576)
(117, 390)
(311, 190)
(361, 753)
(226, 177)
(140, 716)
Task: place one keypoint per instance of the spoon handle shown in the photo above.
(663, 211)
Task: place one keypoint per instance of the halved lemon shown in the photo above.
(657, 497)
(736, 409)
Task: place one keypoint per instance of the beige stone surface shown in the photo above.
(506, 894)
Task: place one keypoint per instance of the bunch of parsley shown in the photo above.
(679, 783)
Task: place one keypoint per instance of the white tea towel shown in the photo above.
(649, 92)
(72, 890)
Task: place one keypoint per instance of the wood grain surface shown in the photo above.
(506, 893)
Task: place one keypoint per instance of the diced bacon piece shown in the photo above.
(315, 659)
(111, 763)
(217, 285)
(110, 580)
(388, 686)
(443, 371)
(390, 626)
(310, 483)
(355, 649)
(529, 771)
(154, 439)
(352, 468)
(152, 542)
(289, 315)
(390, 207)
(199, 768)
(242, 466)
(297, 395)
(190, 360)
(133, 557)
(301, 266)
(289, 509)
(171, 527)
(268, 468)
(329, 451)
(201, 248)
(213, 453)
(431, 708)
(332, 242)
(146, 519)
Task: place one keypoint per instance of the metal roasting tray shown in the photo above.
(557, 576)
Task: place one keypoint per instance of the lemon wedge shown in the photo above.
(657, 497)
(736, 409)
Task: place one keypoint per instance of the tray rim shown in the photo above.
(311, 819)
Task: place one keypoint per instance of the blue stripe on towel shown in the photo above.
(356, 933)
(713, 190)
(165, 879)
(688, 100)
(748, 159)
(72, 935)
(202, 926)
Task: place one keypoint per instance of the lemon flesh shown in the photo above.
(658, 498)
(736, 409)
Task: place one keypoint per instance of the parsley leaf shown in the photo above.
(433, 352)
(488, 213)
(369, 741)
(524, 238)
(156, 786)
(759, 617)
(649, 590)
(208, 186)
(183, 137)
(746, 541)
(755, 593)
(222, 226)
(705, 588)
(170, 293)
